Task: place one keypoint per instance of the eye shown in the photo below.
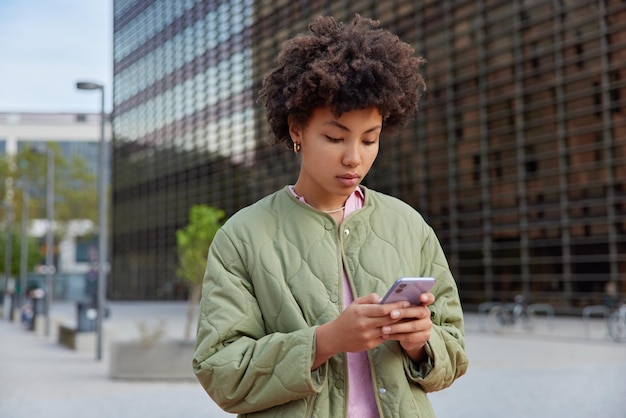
(370, 141)
(331, 139)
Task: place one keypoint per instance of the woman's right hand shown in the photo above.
(357, 328)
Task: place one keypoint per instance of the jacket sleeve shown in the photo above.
(446, 357)
(240, 366)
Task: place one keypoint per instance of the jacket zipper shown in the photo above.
(310, 407)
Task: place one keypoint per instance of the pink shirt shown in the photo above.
(361, 399)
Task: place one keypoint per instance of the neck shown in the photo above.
(314, 205)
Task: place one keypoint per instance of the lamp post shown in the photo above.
(50, 269)
(24, 243)
(102, 227)
(8, 249)
(8, 256)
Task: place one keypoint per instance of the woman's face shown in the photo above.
(337, 153)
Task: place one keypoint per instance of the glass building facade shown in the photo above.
(517, 158)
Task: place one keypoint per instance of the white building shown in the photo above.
(74, 133)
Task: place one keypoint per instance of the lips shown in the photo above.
(349, 179)
(349, 176)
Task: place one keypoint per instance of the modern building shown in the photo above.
(518, 157)
(74, 135)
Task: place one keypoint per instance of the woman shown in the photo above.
(290, 322)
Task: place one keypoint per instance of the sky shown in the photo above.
(46, 46)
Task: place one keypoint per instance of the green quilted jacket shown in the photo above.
(274, 273)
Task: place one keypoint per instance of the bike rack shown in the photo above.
(483, 310)
(546, 308)
(601, 310)
(532, 309)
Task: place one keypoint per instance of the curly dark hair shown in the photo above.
(345, 67)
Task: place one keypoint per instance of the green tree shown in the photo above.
(33, 254)
(4, 174)
(75, 186)
(192, 245)
(75, 192)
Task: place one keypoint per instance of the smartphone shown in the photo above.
(408, 288)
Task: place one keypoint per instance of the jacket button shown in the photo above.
(382, 391)
(339, 384)
(346, 232)
(334, 298)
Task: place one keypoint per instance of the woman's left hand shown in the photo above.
(413, 328)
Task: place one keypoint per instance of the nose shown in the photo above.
(351, 155)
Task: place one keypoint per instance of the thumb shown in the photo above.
(427, 298)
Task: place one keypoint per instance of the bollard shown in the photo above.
(87, 314)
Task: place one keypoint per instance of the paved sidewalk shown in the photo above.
(551, 372)
(41, 379)
(562, 368)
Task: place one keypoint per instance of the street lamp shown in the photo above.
(24, 244)
(25, 186)
(50, 269)
(102, 235)
(7, 251)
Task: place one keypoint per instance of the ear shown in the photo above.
(295, 129)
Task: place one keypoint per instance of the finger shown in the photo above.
(412, 312)
(381, 309)
(372, 298)
(418, 338)
(427, 298)
(400, 329)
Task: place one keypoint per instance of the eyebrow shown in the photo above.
(345, 128)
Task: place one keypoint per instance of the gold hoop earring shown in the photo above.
(297, 147)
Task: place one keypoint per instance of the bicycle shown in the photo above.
(506, 315)
(616, 323)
